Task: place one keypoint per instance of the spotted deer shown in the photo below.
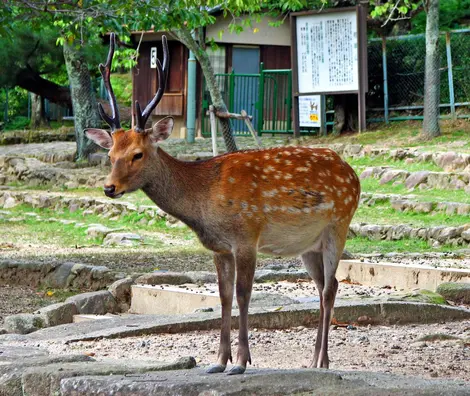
(283, 201)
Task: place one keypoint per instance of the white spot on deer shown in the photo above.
(222, 197)
(286, 152)
(277, 160)
(236, 161)
(306, 210)
(268, 169)
(321, 174)
(244, 205)
(270, 193)
(339, 193)
(257, 167)
(302, 169)
(287, 176)
(231, 180)
(326, 206)
(267, 156)
(288, 162)
(254, 184)
(264, 177)
(267, 208)
(291, 209)
(254, 208)
(249, 214)
(339, 178)
(248, 164)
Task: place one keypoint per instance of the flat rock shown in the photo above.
(95, 303)
(261, 382)
(57, 314)
(24, 323)
(121, 238)
(307, 314)
(46, 381)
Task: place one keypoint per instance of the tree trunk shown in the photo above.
(31, 81)
(345, 113)
(39, 119)
(432, 75)
(201, 55)
(85, 107)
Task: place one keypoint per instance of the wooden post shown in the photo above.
(213, 130)
(250, 127)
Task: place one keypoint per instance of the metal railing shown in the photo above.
(266, 96)
(396, 77)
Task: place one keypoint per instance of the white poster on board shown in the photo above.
(310, 111)
(327, 52)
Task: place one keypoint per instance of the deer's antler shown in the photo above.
(105, 70)
(141, 117)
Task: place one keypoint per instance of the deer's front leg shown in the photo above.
(245, 261)
(225, 265)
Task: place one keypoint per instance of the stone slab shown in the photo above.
(45, 381)
(400, 276)
(260, 382)
(147, 299)
(361, 312)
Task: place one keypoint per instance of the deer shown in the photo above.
(285, 201)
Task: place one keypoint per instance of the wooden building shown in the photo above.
(241, 53)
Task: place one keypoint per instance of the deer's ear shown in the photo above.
(101, 137)
(161, 130)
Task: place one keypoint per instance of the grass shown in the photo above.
(359, 164)
(371, 185)
(366, 246)
(383, 213)
(68, 235)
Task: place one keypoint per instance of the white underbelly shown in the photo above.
(289, 240)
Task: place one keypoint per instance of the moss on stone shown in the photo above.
(455, 291)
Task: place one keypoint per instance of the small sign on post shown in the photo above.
(153, 57)
(329, 54)
(310, 111)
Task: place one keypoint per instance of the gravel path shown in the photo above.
(394, 349)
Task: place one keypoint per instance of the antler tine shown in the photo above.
(105, 70)
(162, 71)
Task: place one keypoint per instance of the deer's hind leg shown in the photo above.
(313, 262)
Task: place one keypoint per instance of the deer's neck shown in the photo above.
(180, 188)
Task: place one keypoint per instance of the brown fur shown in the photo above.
(284, 201)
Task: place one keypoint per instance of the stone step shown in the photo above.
(420, 179)
(147, 299)
(404, 203)
(400, 276)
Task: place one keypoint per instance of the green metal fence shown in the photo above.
(266, 96)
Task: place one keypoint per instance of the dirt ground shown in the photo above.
(394, 349)
(19, 299)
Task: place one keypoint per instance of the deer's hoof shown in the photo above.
(236, 370)
(216, 368)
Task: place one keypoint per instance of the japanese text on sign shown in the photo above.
(327, 52)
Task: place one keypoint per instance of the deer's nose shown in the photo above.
(110, 190)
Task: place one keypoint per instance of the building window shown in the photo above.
(217, 58)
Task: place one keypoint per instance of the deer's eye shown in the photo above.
(137, 156)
